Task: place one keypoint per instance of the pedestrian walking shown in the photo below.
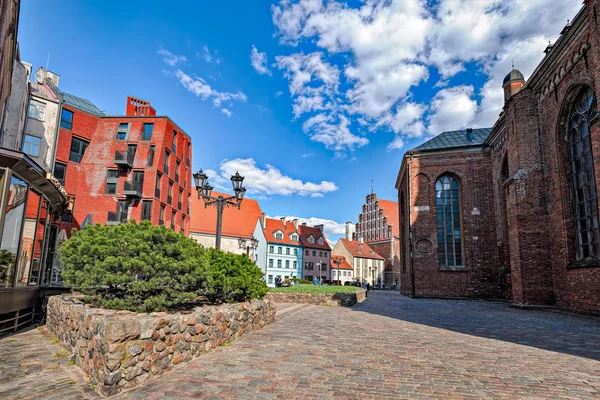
(315, 281)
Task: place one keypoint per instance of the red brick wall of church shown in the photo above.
(480, 275)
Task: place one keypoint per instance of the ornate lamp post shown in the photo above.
(204, 190)
(248, 244)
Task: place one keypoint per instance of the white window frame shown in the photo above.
(37, 105)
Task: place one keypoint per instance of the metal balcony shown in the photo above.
(133, 189)
(124, 159)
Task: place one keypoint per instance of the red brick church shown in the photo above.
(512, 211)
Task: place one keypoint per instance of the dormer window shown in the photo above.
(320, 241)
(311, 239)
(279, 236)
(294, 238)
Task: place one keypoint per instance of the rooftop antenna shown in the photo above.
(513, 64)
(48, 61)
(372, 186)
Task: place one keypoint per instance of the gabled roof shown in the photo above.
(274, 225)
(236, 223)
(307, 231)
(454, 139)
(360, 249)
(390, 210)
(81, 104)
(343, 263)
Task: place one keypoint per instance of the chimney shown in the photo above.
(263, 221)
(283, 221)
(321, 227)
(53, 77)
(350, 230)
(469, 133)
(28, 68)
(304, 224)
(295, 222)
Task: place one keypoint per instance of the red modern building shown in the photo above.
(135, 166)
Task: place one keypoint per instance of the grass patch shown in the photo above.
(54, 340)
(72, 382)
(312, 289)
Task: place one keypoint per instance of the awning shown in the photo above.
(35, 175)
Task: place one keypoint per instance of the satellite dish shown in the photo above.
(39, 76)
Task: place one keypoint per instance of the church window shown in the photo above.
(449, 231)
(585, 206)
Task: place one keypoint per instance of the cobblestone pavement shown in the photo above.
(387, 347)
(32, 366)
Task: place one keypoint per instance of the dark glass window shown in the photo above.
(60, 172)
(66, 119)
(122, 131)
(151, 155)
(111, 188)
(132, 148)
(166, 165)
(585, 205)
(161, 216)
(13, 221)
(146, 210)
(447, 200)
(31, 145)
(147, 131)
(78, 148)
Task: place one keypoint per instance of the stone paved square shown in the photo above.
(389, 346)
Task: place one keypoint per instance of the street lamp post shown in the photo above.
(204, 190)
(337, 262)
(248, 244)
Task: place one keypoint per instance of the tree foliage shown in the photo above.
(234, 277)
(141, 267)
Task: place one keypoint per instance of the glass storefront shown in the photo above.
(24, 228)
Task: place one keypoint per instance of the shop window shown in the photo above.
(11, 234)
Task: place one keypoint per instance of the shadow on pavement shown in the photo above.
(569, 334)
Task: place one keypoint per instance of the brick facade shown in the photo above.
(378, 227)
(516, 192)
(86, 180)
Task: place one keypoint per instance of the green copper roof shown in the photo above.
(81, 104)
(452, 139)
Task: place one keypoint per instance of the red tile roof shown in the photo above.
(390, 209)
(306, 231)
(274, 225)
(360, 249)
(343, 263)
(236, 223)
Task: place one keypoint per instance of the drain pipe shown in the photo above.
(410, 233)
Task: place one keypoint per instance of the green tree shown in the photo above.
(233, 277)
(138, 267)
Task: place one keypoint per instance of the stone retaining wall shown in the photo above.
(338, 299)
(121, 349)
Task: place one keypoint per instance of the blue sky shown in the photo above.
(310, 100)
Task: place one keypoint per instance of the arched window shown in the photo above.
(447, 201)
(585, 206)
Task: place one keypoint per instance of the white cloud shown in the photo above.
(335, 134)
(330, 227)
(171, 58)
(259, 61)
(396, 144)
(226, 112)
(451, 108)
(200, 88)
(207, 55)
(269, 180)
(278, 93)
(307, 155)
(389, 47)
